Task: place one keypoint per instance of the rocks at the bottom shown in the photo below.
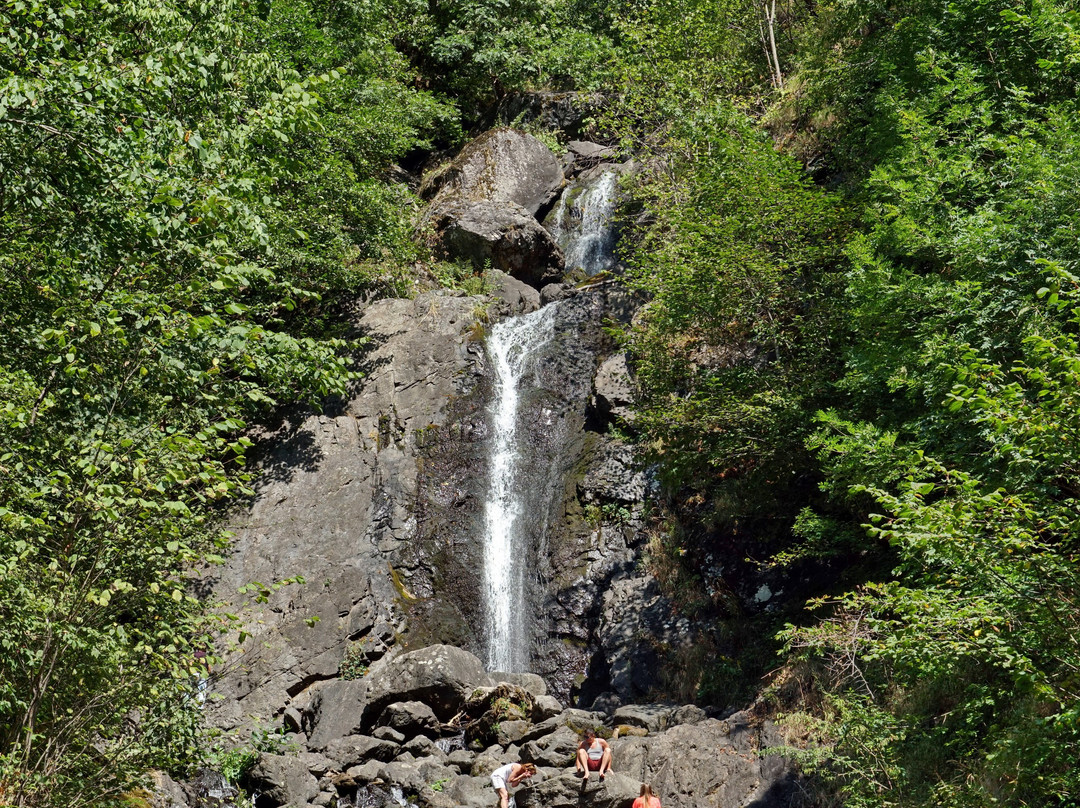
(355, 749)
(209, 789)
(712, 764)
(336, 710)
(472, 792)
(556, 749)
(518, 296)
(166, 792)
(440, 676)
(285, 779)
(570, 791)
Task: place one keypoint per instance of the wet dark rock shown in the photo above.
(210, 789)
(285, 779)
(633, 605)
(554, 292)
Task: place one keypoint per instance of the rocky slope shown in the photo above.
(428, 727)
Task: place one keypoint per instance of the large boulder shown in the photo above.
(354, 750)
(709, 764)
(410, 718)
(337, 708)
(285, 779)
(570, 791)
(484, 205)
(502, 233)
(555, 749)
(441, 676)
(502, 165)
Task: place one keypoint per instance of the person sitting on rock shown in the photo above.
(511, 774)
(593, 755)
(647, 798)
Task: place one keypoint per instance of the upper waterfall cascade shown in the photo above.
(581, 224)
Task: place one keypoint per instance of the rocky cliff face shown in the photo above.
(377, 504)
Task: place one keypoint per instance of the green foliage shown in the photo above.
(143, 324)
(354, 664)
(736, 345)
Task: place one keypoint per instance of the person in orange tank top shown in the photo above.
(647, 799)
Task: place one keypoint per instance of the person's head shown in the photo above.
(646, 790)
(530, 769)
(590, 735)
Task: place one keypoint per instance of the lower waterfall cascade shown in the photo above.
(511, 345)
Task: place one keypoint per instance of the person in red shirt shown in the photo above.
(647, 799)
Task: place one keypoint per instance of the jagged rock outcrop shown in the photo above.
(501, 165)
(485, 202)
(502, 233)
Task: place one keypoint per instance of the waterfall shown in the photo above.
(512, 348)
(581, 224)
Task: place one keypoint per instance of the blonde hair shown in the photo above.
(646, 790)
(530, 768)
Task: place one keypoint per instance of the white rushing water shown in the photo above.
(581, 224)
(511, 348)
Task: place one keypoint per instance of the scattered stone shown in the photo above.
(687, 714)
(283, 778)
(557, 749)
(410, 718)
(653, 717)
(553, 292)
(545, 707)
(355, 749)
(462, 760)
